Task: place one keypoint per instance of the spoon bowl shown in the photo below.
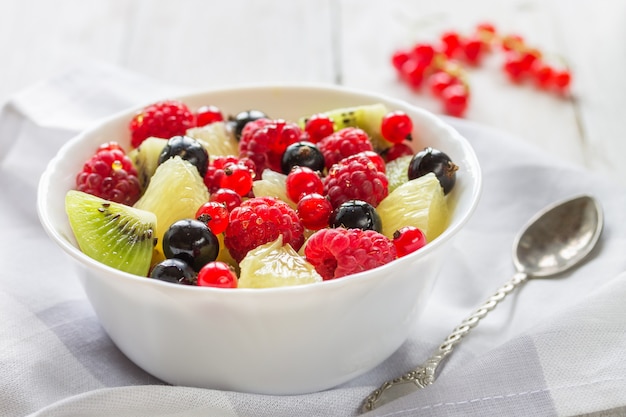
(553, 241)
(558, 237)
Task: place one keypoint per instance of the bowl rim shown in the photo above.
(73, 251)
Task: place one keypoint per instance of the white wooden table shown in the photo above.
(202, 44)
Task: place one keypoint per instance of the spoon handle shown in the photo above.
(424, 375)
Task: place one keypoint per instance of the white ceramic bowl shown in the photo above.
(274, 341)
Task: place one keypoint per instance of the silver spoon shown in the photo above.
(553, 241)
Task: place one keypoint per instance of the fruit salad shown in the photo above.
(255, 201)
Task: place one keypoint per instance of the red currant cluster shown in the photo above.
(440, 65)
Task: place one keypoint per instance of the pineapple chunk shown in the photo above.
(216, 139)
(420, 203)
(275, 265)
(175, 192)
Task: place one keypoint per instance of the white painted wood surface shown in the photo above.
(209, 43)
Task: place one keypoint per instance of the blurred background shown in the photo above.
(200, 44)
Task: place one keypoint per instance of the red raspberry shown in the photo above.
(110, 174)
(339, 252)
(261, 220)
(343, 143)
(264, 141)
(366, 157)
(163, 119)
(355, 180)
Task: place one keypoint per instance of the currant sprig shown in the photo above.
(442, 66)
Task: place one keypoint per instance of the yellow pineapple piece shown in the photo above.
(216, 139)
(272, 184)
(175, 192)
(275, 265)
(420, 203)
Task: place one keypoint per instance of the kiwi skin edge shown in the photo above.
(114, 234)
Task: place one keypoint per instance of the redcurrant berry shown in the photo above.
(528, 58)
(227, 197)
(408, 239)
(439, 81)
(513, 66)
(207, 115)
(412, 73)
(398, 58)
(542, 73)
(396, 126)
(455, 99)
(397, 150)
(562, 80)
(314, 211)
(424, 53)
(451, 43)
(217, 274)
(237, 177)
(472, 50)
(318, 127)
(302, 181)
(215, 215)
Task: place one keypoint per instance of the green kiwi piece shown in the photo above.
(367, 117)
(146, 158)
(117, 235)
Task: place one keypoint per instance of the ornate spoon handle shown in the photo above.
(425, 374)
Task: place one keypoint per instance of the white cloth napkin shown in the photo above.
(554, 348)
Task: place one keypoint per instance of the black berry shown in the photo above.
(356, 214)
(175, 271)
(437, 162)
(191, 241)
(303, 154)
(241, 119)
(188, 149)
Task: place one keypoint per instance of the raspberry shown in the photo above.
(110, 174)
(366, 157)
(261, 220)
(264, 141)
(339, 252)
(163, 119)
(353, 179)
(343, 143)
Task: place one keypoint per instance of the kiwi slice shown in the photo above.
(117, 235)
(367, 117)
(146, 158)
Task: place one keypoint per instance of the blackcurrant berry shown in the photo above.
(192, 241)
(188, 149)
(175, 271)
(356, 214)
(304, 154)
(241, 119)
(437, 162)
